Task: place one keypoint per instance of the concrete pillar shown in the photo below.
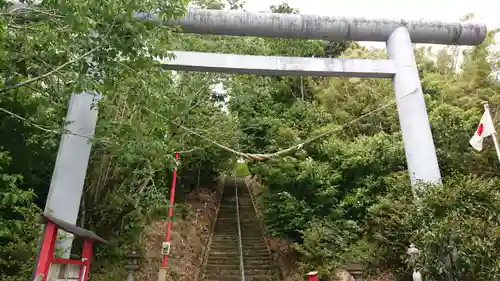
(417, 137)
(63, 201)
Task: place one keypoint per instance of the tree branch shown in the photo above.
(21, 9)
(29, 81)
(35, 29)
(48, 130)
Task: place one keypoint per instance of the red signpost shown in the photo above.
(166, 252)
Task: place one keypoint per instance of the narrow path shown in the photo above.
(223, 262)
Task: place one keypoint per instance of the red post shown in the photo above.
(47, 251)
(86, 258)
(312, 276)
(171, 210)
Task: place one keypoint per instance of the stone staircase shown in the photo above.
(223, 260)
(258, 262)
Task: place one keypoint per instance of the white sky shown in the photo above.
(487, 11)
(447, 10)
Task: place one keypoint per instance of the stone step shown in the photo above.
(236, 267)
(234, 259)
(216, 240)
(259, 272)
(220, 236)
(258, 267)
(223, 259)
(222, 267)
(225, 245)
(252, 247)
(229, 227)
(236, 272)
(236, 252)
(262, 276)
(221, 230)
(222, 278)
(236, 262)
(221, 248)
(247, 242)
(233, 231)
(256, 256)
(250, 230)
(231, 236)
(260, 245)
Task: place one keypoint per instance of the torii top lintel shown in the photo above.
(240, 23)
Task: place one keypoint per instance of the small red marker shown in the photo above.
(312, 276)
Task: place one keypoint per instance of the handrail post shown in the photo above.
(242, 269)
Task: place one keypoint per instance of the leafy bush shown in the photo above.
(326, 243)
(455, 226)
(285, 216)
(19, 227)
(241, 170)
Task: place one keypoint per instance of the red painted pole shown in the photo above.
(86, 257)
(312, 276)
(47, 250)
(170, 210)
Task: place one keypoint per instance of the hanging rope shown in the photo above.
(247, 156)
(267, 156)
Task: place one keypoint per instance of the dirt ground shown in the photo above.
(189, 238)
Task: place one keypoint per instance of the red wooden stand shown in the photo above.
(46, 257)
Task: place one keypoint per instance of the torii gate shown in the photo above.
(401, 66)
(72, 160)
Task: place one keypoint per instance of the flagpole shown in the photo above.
(494, 135)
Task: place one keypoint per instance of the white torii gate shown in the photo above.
(401, 66)
(72, 160)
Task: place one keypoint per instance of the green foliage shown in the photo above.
(99, 46)
(285, 216)
(327, 243)
(455, 225)
(325, 196)
(111, 272)
(341, 199)
(19, 230)
(241, 170)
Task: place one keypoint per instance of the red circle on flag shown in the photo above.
(480, 129)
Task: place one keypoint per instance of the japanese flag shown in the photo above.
(484, 129)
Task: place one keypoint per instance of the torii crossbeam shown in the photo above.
(239, 23)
